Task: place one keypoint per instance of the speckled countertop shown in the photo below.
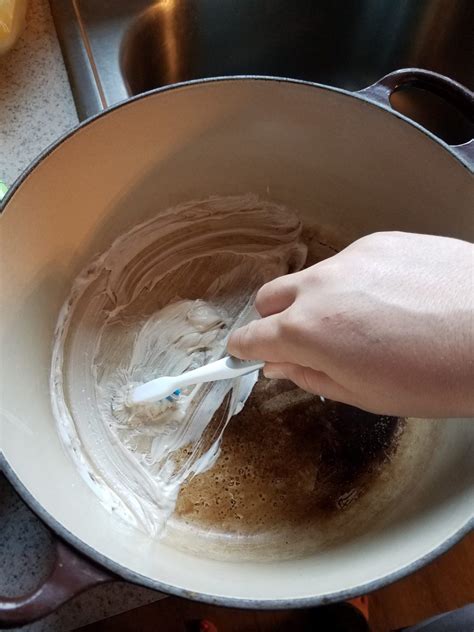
(36, 104)
(36, 107)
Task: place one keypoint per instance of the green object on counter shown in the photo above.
(3, 190)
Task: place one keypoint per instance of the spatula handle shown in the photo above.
(223, 369)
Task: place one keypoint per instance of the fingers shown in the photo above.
(259, 340)
(276, 296)
(308, 379)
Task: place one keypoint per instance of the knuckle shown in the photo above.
(233, 344)
(270, 289)
(261, 298)
(248, 337)
(270, 286)
(237, 342)
(292, 324)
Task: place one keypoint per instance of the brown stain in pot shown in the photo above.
(287, 461)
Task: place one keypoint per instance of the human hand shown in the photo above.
(386, 325)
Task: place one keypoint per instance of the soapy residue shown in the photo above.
(162, 300)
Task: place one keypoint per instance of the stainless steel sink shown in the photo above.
(118, 48)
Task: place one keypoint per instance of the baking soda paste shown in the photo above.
(162, 300)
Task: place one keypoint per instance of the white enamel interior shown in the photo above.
(339, 160)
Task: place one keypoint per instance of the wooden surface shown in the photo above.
(445, 584)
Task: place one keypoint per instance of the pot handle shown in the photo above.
(72, 573)
(451, 90)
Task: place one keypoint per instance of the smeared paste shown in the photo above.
(161, 300)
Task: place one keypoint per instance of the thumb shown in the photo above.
(308, 379)
(259, 340)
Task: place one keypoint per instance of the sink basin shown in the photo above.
(188, 39)
(118, 48)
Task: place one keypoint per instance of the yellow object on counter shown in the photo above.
(12, 19)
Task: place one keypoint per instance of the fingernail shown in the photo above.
(273, 372)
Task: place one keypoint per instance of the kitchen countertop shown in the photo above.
(36, 104)
(36, 107)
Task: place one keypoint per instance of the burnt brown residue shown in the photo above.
(289, 459)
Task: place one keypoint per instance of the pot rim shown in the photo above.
(217, 600)
(132, 576)
(359, 95)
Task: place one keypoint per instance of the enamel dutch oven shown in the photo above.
(344, 160)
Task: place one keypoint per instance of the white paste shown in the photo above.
(160, 301)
